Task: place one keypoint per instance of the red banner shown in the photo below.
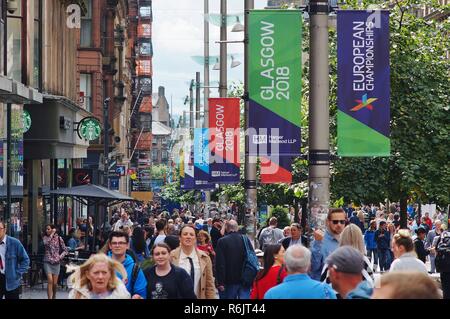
(224, 140)
(273, 169)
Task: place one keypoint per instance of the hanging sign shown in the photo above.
(89, 128)
(363, 87)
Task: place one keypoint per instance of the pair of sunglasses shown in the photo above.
(335, 222)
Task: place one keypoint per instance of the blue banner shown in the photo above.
(189, 182)
(363, 96)
(201, 159)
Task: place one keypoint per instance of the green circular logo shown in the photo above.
(89, 128)
(26, 119)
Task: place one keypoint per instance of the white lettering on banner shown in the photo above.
(219, 142)
(363, 56)
(277, 79)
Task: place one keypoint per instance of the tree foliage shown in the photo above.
(418, 166)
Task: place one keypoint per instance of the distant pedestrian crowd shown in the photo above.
(145, 252)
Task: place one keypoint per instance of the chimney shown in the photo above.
(161, 91)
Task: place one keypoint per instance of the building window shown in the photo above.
(144, 30)
(37, 54)
(14, 43)
(86, 90)
(164, 155)
(145, 84)
(86, 26)
(154, 155)
(146, 49)
(145, 12)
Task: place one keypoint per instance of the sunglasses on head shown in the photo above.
(335, 222)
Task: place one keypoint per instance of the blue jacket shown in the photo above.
(140, 286)
(320, 250)
(17, 263)
(300, 286)
(362, 291)
(369, 239)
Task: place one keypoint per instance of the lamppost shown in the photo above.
(319, 131)
(106, 140)
(250, 161)
(8, 163)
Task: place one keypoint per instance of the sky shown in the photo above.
(177, 35)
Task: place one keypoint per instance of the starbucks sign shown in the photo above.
(26, 119)
(89, 128)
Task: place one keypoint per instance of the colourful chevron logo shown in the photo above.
(364, 103)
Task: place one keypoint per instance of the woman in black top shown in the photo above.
(166, 281)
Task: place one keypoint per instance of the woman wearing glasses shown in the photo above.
(406, 258)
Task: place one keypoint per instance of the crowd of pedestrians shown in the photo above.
(144, 252)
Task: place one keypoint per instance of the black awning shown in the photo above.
(16, 191)
(92, 192)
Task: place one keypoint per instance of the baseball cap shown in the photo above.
(346, 259)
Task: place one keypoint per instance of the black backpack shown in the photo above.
(443, 252)
(135, 271)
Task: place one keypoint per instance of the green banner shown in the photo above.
(275, 74)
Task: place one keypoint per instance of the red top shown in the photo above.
(261, 286)
(208, 248)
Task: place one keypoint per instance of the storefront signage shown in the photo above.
(89, 128)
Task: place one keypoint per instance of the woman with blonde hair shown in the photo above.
(406, 258)
(96, 279)
(352, 236)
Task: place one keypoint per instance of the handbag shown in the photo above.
(250, 266)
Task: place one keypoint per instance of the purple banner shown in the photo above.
(363, 83)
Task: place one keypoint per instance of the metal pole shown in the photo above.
(206, 88)
(223, 50)
(250, 161)
(197, 99)
(8, 163)
(191, 105)
(106, 140)
(319, 131)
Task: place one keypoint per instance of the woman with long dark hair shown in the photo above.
(138, 245)
(273, 272)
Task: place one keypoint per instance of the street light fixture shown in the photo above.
(217, 65)
(238, 27)
(234, 63)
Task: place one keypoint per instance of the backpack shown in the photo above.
(267, 238)
(250, 266)
(442, 260)
(134, 272)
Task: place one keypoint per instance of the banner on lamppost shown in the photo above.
(181, 167)
(277, 170)
(201, 159)
(224, 164)
(363, 83)
(275, 82)
(189, 182)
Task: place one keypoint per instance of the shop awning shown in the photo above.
(93, 194)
